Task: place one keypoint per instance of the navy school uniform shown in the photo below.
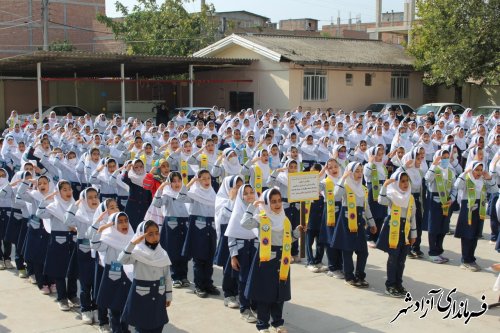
(438, 225)
(352, 242)
(397, 256)
(138, 202)
(333, 255)
(201, 242)
(223, 259)
(468, 234)
(151, 288)
(246, 251)
(113, 283)
(59, 263)
(264, 286)
(314, 229)
(492, 212)
(174, 231)
(14, 232)
(377, 210)
(5, 250)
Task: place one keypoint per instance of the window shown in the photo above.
(348, 79)
(314, 85)
(368, 79)
(400, 85)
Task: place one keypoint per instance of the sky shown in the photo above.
(322, 10)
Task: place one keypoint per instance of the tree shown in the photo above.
(58, 45)
(166, 29)
(457, 40)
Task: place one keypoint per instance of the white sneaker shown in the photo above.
(95, 315)
(32, 279)
(22, 274)
(281, 329)
(87, 317)
(313, 268)
(8, 264)
(338, 274)
(2, 265)
(231, 302)
(322, 268)
(264, 331)
(248, 316)
(63, 305)
(104, 329)
(371, 244)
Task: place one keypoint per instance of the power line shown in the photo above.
(80, 28)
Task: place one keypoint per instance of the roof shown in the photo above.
(90, 64)
(243, 12)
(305, 50)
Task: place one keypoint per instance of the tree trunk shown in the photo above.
(458, 94)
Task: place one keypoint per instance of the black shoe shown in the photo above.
(420, 254)
(200, 292)
(213, 291)
(393, 292)
(401, 290)
(363, 284)
(352, 283)
(185, 283)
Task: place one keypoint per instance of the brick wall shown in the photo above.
(74, 21)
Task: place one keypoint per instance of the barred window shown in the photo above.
(315, 85)
(400, 85)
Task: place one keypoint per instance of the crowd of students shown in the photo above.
(120, 206)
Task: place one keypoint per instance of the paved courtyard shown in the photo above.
(319, 303)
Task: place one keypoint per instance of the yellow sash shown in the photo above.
(307, 211)
(204, 161)
(184, 171)
(352, 214)
(143, 159)
(395, 222)
(330, 202)
(265, 244)
(167, 154)
(132, 155)
(265, 237)
(258, 180)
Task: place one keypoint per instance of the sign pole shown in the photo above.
(302, 233)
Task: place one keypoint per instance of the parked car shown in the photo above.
(439, 108)
(485, 110)
(62, 110)
(379, 107)
(190, 112)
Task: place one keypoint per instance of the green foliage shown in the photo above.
(166, 29)
(457, 40)
(61, 46)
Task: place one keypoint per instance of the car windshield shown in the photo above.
(424, 109)
(375, 107)
(485, 111)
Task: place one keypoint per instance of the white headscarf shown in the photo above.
(222, 198)
(396, 194)
(231, 165)
(277, 219)
(118, 241)
(265, 168)
(355, 186)
(412, 171)
(84, 213)
(135, 178)
(202, 195)
(282, 177)
(234, 228)
(142, 253)
(59, 206)
(478, 183)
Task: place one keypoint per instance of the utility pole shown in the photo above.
(45, 22)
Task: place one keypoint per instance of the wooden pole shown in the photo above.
(302, 233)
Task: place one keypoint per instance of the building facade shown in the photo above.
(311, 72)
